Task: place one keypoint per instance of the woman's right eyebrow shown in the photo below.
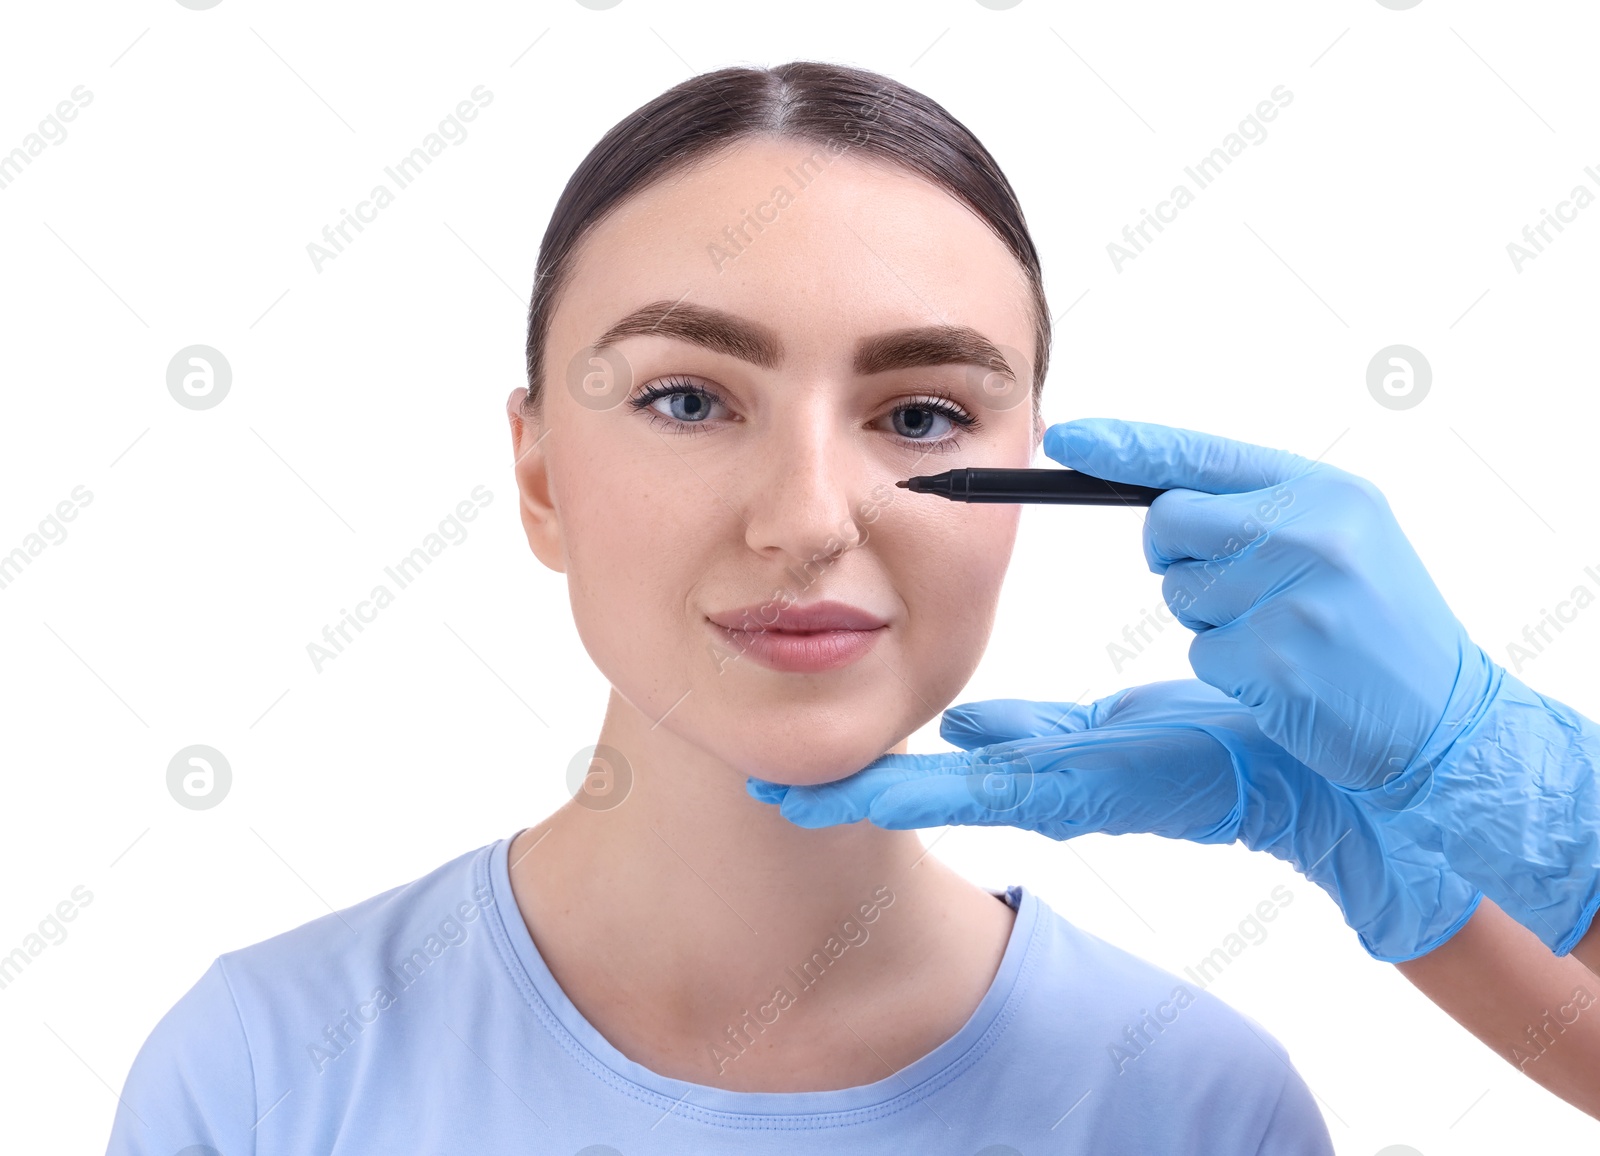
(714, 329)
(727, 333)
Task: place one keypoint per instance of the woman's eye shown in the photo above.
(935, 422)
(684, 406)
(914, 421)
(680, 403)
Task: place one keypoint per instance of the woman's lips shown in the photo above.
(801, 653)
(800, 639)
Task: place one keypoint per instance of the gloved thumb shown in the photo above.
(970, 725)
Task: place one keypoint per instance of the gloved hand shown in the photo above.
(1311, 608)
(1178, 759)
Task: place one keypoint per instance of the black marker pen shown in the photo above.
(1060, 487)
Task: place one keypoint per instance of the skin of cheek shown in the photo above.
(640, 541)
(630, 537)
(949, 560)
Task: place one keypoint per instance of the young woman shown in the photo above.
(762, 299)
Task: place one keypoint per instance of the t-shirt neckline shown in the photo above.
(896, 1092)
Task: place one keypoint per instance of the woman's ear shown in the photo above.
(531, 466)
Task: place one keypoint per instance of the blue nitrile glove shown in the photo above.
(1312, 609)
(1178, 759)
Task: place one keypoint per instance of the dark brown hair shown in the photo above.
(803, 100)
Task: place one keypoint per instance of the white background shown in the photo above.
(367, 401)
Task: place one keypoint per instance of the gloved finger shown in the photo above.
(1318, 720)
(1206, 594)
(884, 769)
(1074, 800)
(1258, 659)
(1236, 660)
(1115, 775)
(763, 791)
(1176, 700)
(1182, 525)
(978, 800)
(846, 800)
(996, 720)
(1168, 457)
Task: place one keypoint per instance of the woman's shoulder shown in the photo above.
(1077, 970)
(1140, 1030)
(398, 932)
(429, 914)
(293, 1005)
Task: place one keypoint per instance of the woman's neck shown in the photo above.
(682, 919)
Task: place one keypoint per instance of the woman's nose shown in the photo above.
(803, 488)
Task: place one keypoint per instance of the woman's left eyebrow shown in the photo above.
(724, 332)
(929, 345)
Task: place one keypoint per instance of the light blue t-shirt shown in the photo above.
(423, 1021)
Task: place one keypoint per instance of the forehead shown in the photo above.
(821, 245)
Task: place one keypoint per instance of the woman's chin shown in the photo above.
(809, 768)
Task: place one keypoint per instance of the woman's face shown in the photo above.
(808, 348)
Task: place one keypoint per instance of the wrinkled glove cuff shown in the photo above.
(1514, 804)
(1401, 900)
(1385, 953)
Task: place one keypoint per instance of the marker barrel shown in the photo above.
(1057, 487)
